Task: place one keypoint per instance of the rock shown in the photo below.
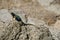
(55, 30)
(28, 32)
(5, 16)
(5, 19)
(13, 30)
(35, 10)
(51, 5)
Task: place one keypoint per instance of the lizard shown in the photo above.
(18, 18)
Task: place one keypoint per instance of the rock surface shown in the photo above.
(51, 5)
(13, 30)
(42, 14)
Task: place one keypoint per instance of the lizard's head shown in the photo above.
(13, 14)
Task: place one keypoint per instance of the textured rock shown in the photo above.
(13, 30)
(28, 32)
(51, 5)
(41, 14)
(5, 19)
